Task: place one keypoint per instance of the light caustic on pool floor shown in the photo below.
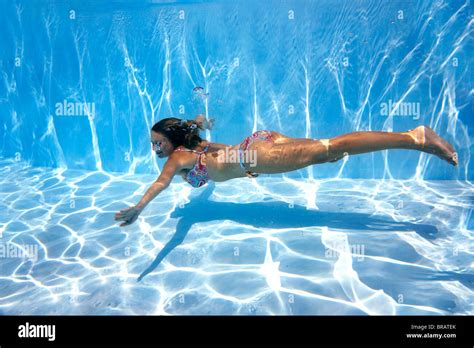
(291, 247)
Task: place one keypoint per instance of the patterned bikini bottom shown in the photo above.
(262, 135)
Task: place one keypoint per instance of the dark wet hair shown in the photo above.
(179, 132)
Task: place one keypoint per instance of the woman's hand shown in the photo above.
(209, 123)
(128, 215)
(206, 123)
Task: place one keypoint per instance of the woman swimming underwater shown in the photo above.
(264, 152)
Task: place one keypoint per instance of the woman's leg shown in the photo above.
(279, 138)
(422, 138)
(287, 155)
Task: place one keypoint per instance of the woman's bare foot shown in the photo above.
(430, 142)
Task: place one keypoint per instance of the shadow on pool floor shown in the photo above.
(274, 215)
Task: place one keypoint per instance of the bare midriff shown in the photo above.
(220, 170)
(217, 169)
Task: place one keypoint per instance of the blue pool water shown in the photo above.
(82, 82)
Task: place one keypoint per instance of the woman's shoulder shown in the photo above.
(216, 146)
(183, 159)
(201, 147)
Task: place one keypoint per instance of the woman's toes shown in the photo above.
(430, 142)
(454, 159)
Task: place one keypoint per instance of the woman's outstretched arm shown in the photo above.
(129, 215)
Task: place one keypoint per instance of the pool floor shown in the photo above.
(262, 246)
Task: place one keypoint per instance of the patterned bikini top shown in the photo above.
(197, 176)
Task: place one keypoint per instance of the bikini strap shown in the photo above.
(182, 149)
(189, 150)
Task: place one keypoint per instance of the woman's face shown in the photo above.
(161, 145)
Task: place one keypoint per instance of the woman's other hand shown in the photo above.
(205, 124)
